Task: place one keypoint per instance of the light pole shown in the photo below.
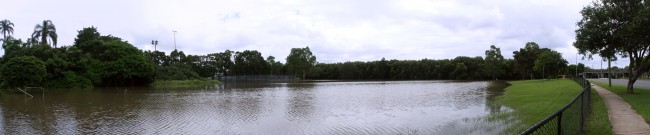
(154, 43)
(174, 38)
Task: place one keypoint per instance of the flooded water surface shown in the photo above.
(392, 107)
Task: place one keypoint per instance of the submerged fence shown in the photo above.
(570, 119)
(256, 78)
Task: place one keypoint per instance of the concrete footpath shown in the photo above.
(625, 121)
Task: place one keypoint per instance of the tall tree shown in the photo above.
(275, 67)
(300, 61)
(549, 63)
(526, 57)
(86, 35)
(7, 29)
(158, 58)
(575, 69)
(494, 62)
(176, 56)
(250, 62)
(610, 28)
(110, 61)
(222, 61)
(45, 30)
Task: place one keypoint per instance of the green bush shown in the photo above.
(70, 80)
(176, 72)
(23, 71)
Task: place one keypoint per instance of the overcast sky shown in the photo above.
(335, 30)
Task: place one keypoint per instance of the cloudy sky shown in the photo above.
(335, 30)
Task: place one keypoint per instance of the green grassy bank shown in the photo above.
(183, 83)
(639, 101)
(598, 122)
(534, 100)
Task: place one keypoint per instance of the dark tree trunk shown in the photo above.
(630, 83)
(633, 75)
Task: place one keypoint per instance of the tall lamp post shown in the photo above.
(154, 43)
(174, 38)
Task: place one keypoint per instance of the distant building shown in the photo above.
(602, 73)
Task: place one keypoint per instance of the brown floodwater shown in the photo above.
(371, 107)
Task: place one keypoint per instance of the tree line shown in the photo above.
(104, 60)
(178, 66)
(530, 62)
(93, 60)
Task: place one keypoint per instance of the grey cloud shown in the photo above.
(336, 31)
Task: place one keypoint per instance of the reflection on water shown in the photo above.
(398, 107)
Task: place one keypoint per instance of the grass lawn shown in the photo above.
(182, 83)
(639, 101)
(534, 100)
(598, 122)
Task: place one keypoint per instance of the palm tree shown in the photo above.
(47, 29)
(7, 28)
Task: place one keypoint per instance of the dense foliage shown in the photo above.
(550, 64)
(300, 61)
(549, 61)
(612, 28)
(530, 62)
(93, 60)
(250, 63)
(494, 62)
(460, 68)
(23, 71)
(100, 60)
(525, 59)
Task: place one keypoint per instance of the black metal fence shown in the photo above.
(570, 119)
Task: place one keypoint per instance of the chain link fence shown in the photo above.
(256, 78)
(570, 119)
